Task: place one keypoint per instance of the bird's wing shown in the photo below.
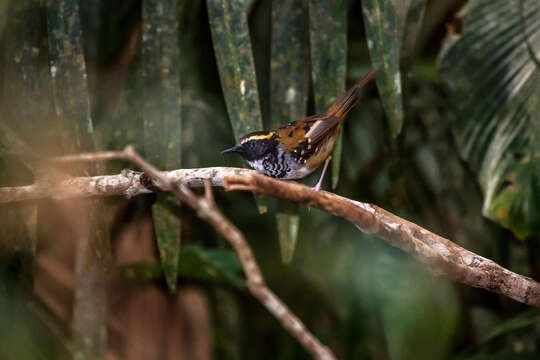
(322, 127)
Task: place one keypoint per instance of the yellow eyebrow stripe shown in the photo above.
(258, 137)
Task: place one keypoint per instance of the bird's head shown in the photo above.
(255, 146)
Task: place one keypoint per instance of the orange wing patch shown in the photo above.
(295, 132)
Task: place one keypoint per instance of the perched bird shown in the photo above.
(297, 149)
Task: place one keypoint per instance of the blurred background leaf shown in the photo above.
(328, 44)
(410, 17)
(289, 66)
(24, 41)
(162, 120)
(384, 39)
(495, 87)
(72, 105)
(232, 46)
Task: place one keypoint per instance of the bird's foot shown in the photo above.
(318, 186)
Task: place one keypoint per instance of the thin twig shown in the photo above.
(91, 157)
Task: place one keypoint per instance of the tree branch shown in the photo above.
(127, 183)
(440, 254)
(207, 210)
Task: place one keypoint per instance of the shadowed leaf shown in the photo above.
(328, 39)
(68, 71)
(289, 68)
(162, 121)
(384, 43)
(494, 79)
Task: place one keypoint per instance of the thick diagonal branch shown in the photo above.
(440, 254)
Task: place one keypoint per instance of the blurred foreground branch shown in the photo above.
(129, 183)
(440, 254)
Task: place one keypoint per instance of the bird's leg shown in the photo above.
(317, 187)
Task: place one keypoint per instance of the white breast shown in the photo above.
(278, 163)
(257, 165)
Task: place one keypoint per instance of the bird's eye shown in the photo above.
(251, 145)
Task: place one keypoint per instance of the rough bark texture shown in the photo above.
(127, 183)
(440, 254)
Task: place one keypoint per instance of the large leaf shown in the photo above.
(384, 43)
(289, 62)
(71, 101)
(493, 75)
(68, 71)
(289, 66)
(232, 47)
(328, 40)
(162, 122)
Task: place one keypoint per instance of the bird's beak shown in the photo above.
(235, 149)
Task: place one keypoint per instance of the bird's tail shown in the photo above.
(348, 99)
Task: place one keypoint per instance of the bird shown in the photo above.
(298, 148)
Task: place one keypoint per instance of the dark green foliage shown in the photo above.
(23, 51)
(384, 44)
(289, 82)
(411, 14)
(68, 72)
(232, 47)
(495, 85)
(215, 266)
(167, 229)
(328, 41)
(72, 105)
(162, 120)
(24, 336)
